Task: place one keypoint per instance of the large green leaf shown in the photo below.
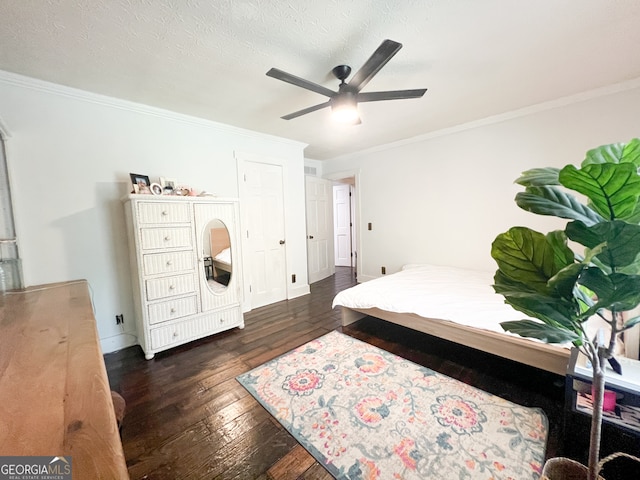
(550, 308)
(564, 256)
(635, 216)
(564, 282)
(553, 311)
(615, 291)
(584, 297)
(541, 331)
(527, 256)
(615, 153)
(539, 177)
(631, 323)
(613, 189)
(621, 239)
(552, 201)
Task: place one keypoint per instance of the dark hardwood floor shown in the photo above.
(187, 416)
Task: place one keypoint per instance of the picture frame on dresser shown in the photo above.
(156, 189)
(168, 184)
(140, 183)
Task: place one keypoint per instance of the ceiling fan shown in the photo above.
(344, 102)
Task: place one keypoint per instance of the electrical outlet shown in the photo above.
(119, 319)
(384, 270)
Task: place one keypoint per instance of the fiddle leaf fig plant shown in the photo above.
(562, 279)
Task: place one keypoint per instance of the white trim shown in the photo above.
(355, 173)
(117, 342)
(14, 79)
(4, 131)
(295, 292)
(502, 117)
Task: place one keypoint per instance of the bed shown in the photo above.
(452, 303)
(220, 251)
(222, 261)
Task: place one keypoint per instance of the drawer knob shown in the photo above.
(175, 334)
(165, 213)
(172, 287)
(169, 263)
(167, 238)
(173, 310)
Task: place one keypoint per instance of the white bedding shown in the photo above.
(446, 293)
(224, 256)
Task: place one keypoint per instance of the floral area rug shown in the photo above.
(364, 413)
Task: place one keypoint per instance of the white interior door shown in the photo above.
(264, 210)
(318, 192)
(342, 224)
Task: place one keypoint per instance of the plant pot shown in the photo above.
(562, 468)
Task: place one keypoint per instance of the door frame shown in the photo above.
(357, 224)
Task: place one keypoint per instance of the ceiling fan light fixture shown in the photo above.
(344, 109)
(344, 102)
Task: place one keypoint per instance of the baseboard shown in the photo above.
(295, 292)
(366, 278)
(118, 342)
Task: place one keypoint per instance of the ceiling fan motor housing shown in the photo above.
(341, 72)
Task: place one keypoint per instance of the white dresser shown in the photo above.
(184, 286)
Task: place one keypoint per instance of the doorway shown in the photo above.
(345, 223)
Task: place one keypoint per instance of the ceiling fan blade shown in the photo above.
(391, 95)
(306, 110)
(300, 82)
(380, 57)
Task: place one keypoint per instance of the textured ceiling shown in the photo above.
(208, 58)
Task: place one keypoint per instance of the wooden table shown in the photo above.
(55, 398)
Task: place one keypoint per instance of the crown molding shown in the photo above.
(502, 117)
(43, 86)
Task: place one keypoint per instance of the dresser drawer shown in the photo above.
(157, 238)
(158, 288)
(187, 330)
(180, 307)
(169, 212)
(170, 262)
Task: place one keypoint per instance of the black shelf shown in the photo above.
(620, 427)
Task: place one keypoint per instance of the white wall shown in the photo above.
(443, 200)
(70, 155)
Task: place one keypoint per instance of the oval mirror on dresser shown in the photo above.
(217, 260)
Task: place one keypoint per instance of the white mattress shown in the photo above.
(224, 256)
(446, 293)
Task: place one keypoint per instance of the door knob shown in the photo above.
(281, 242)
(310, 237)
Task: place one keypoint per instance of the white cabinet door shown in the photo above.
(208, 217)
